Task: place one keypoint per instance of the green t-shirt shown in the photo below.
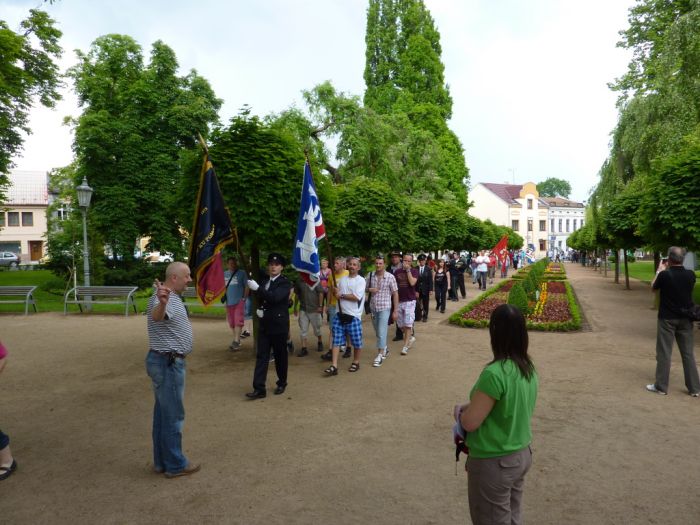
(507, 427)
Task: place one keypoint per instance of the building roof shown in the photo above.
(506, 192)
(27, 187)
(560, 202)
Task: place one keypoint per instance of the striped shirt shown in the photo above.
(172, 334)
(381, 300)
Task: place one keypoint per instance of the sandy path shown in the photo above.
(371, 447)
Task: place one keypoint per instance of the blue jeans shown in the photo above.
(380, 321)
(168, 412)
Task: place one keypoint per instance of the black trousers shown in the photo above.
(441, 296)
(422, 306)
(278, 344)
(453, 285)
(460, 283)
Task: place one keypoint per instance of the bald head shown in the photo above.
(177, 276)
(675, 255)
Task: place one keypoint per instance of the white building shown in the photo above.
(536, 219)
(23, 220)
(565, 217)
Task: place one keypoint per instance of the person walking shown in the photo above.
(497, 421)
(481, 269)
(425, 288)
(8, 464)
(442, 283)
(169, 344)
(308, 305)
(383, 293)
(273, 296)
(675, 285)
(407, 279)
(235, 298)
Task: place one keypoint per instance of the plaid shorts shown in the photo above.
(354, 330)
(407, 314)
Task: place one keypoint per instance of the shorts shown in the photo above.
(406, 314)
(353, 330)
(235, 314)
(306, 319)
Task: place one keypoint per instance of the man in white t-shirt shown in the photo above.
(350, 292)
(482, 262)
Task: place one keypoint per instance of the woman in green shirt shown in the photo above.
(497, 419)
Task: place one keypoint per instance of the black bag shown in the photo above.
(693, 313)
(345, 318)
(369, 296)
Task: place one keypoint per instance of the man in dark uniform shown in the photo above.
(425, 287)
(273, 295)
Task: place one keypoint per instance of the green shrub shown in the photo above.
(54, 285)
(518, 298)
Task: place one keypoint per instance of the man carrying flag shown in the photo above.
(310, 230)
(211, 232)
(501, 252)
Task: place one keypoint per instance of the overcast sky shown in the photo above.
(528, 79)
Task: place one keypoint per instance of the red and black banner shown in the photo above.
(212, 231)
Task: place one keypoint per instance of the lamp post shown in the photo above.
(84, 196)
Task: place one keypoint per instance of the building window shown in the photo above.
(529, 204)
(13, 218)
(574, 224)
(27, 218)
(515, 225)
(567, 225)
(529, 225)
(543, 226)
(543, 245)
(560, 226)
(61, 214)
(581, 223)
(2, 219)
(560, 245)
(552, 226)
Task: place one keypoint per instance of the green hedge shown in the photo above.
(518, 298)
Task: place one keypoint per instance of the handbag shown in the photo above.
(345, 318)
(693, 313)
(223, 297)
(369, 296)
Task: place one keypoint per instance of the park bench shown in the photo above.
(25, 292)
(191, 293)
(86, 295)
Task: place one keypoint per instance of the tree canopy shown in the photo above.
(554, 187)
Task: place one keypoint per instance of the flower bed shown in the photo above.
(556, 308)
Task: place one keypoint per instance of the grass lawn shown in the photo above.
(52, 301)
(645, 271)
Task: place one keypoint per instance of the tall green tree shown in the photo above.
(27, 72)
(554, 187)
(137, 121)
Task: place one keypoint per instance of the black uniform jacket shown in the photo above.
(425, 281)
(275, 305)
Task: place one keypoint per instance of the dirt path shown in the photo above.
(371, 447)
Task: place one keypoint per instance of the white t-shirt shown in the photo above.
(355, 286)
(482, 263)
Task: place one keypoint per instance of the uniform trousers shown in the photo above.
(278, 344)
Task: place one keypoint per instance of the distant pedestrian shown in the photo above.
(8, 464)
(383, 301)
(442, 283)
(425, 288)
(407, 280)
(235, 298)
(307, 308)
(675, 284)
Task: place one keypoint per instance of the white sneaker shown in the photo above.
(652, 388)
(378, 360)
(410, 342)
(385, 352)
(404, 350)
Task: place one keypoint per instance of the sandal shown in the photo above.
(354, 367)
(8, 470)
(331, 370)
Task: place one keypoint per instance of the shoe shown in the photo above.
(410, 342)
(256, 394)
(272, 358)
(354, 367)
(319, 348)
(303, 352)
(8, 470)
(290, 347)
(425, 319)
(191, 468)
(327, 356)
(279, 390)
(404, 350)
(235, 345)
(385, 353)
(694, 394)
(652, 388)
(244, 334)
(158, 470)
(397, 338)
(378, 360)
(347, 353)
(331, 371)
(442, 311)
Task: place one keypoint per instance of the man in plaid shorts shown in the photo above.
(350, 292)
(406, 279)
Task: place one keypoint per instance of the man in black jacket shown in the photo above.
(273, 295)
(425, 288)
(676, 288)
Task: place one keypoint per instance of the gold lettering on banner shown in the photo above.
(208, 238)
(204, 210)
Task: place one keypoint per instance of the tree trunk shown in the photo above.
(604, 260)
(657, 259)
(627, 274)
(617, 266)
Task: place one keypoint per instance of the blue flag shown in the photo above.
(310, 230)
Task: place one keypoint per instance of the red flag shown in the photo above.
(502, 245)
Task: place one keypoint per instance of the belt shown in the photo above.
(169, 355)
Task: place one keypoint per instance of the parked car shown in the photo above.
(9, 259)
(159, 257)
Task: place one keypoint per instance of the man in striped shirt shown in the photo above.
(169, 343)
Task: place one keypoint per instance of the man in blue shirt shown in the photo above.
(236, 294)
